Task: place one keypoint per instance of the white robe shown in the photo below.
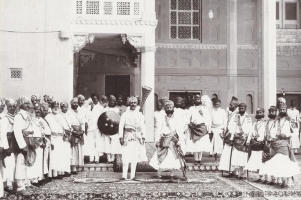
(239, 158)
(203, 144)
(293, 113)
(255, 161)
(170, 162)
(133, 150)
(56, 155)
(10, 161)
(219, 124)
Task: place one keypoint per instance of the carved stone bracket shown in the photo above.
(80, 41)
(136, 41)
(85, 57)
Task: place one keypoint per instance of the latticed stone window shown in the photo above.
(108, 8)
(93, 7)
(123, 8)
(15, 73)
(184, 19)
(79, 7)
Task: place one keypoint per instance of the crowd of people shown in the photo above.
(45, 140)
(265, 146)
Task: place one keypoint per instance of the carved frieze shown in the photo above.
(189, 46)
(80, 41)
(289, 49)
(115, 22)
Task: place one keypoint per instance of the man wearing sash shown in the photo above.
(256, 144)
(77, 136)
(132, 137)
(95, 143)
(240, 130)
(280, 153)
(9, 144)
(270, 128)
(47, 170)
(219, 124)
(111, 142)
(169, 139)
(23, 131)
(56, 156)
(225, 161)
(198, 140)
(293, 114)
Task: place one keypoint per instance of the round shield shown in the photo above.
(108, 123)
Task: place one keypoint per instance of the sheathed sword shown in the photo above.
(180, 160)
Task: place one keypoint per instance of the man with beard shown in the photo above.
(9, 144)
(132, 137)
(47, 171)
(293, 114)
(23, 131)
(95, 141)
(77, 136)
(256, 144)
(198, 140)
(57, 132)
(270, 127)
(120, 106)
(219, 124)
(224, 163)
(111, 142)
(65, 121)
(182, 114)
(280, 153)
(169, 138)
(104, 101)
(240, 130)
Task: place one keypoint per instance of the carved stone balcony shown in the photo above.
(108, 9)
(289, 42)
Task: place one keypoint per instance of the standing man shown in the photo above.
(240, 130)
(77, 136)
(158, 116)
(111, 144)
(57, 132)
(256, 143)
(120, 106)
(23, 130)
(198, 140)
(9, 144)
(132, 137)
(169, 138)
(293, 114)
(225, 161)
(95, 141)
(219, 124)
(281, 154)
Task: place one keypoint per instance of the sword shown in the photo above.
(180, 160)
(230, 159)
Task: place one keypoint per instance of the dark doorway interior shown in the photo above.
(173, 95)
(290, 97)
(117, 84)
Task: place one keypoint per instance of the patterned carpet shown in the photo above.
(210, 186)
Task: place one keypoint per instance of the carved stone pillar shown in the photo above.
(268, 49)
(232, 47)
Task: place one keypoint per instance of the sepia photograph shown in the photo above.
(150, 99)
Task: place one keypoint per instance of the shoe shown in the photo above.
(74, 173)
(36, 184)
(265, 182)
(134, 179)
(258, 181)
(122, 179)
(271, 183)
(230, 175)
(23, 191)
(96, 162)
(283, 186)
(67, 174)
(196, 162)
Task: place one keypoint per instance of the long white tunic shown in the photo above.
(203, 144)
(77, 152)
(132, 129)
(293, 114)
(239, 158)
(56, 156)
(255, 161)
(219, 124)
(175, 124)
(7, 123)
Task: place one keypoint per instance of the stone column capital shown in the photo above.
(80, 40)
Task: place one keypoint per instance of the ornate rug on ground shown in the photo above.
(202, 185)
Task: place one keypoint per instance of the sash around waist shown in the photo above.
(56, 134)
